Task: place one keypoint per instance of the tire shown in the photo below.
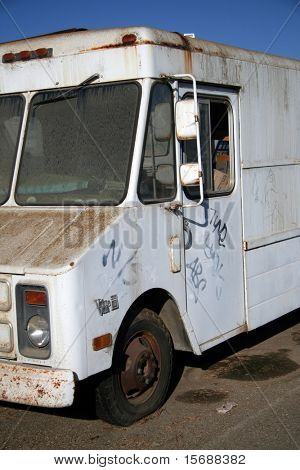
(138, 382)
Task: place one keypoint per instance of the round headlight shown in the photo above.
(38, 331)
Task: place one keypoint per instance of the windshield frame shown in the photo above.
(83, 203)
(17, 144)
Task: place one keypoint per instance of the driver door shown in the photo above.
(213, 230)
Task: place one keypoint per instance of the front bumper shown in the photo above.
(37, 386)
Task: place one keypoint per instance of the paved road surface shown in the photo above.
(266, 393)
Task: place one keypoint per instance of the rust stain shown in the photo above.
(146, 42)
(188, 62)
(56, 384)
(41, 392)
(197, 49)
(184, 46)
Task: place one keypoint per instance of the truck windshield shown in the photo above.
(78, 146)
(11, 112)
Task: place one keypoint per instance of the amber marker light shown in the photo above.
(129, 39)
(102, 342)
(8, 58)
(42, 52)
(35, 297)
(24, 56)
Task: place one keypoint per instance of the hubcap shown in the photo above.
(141, 369)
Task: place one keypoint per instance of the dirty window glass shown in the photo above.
(11, 112)
(158, 172)
(216, 149)
(78, 146)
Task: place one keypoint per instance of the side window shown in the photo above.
(216, 149)
(157, 181)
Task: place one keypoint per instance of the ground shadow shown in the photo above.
(217, 356)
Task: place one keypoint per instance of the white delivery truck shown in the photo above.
(149, 191)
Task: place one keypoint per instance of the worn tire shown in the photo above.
(147, 337)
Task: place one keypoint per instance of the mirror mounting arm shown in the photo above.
(197, 120)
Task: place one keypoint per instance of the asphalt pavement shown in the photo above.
(240, 395)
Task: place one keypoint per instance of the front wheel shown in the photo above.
(138, 382)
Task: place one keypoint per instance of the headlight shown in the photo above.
(38, 331)
(34, 324)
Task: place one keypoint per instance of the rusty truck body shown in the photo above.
(149, 190)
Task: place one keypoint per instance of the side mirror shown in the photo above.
(190, 175)
(186, 125)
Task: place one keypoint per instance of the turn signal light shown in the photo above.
(33, 297)
(102, 342)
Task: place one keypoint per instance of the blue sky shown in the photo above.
(272, 25)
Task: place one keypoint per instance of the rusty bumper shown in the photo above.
(37, 386)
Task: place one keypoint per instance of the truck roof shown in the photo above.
(130, 53)
(80, 41)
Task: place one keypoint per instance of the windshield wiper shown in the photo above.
(66, 95)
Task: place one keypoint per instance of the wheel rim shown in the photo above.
(141, 368)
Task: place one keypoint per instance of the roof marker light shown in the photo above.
(129, 39)
(40, 53)
(7, 58)
(24, 55)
